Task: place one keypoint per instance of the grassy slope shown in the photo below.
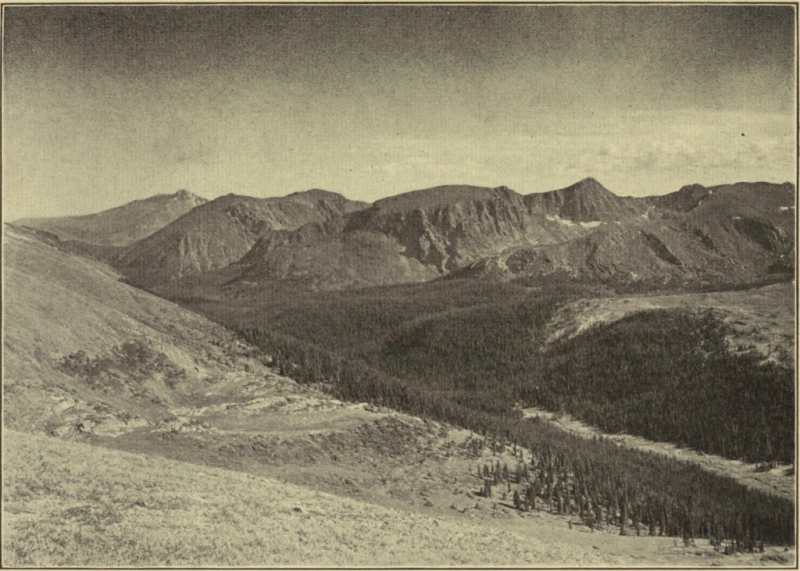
(58, 304)
(70, 504)
(67, 503)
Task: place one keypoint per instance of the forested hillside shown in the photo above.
(668, 375)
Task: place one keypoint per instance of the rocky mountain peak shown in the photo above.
(584, 201)
(184, 194)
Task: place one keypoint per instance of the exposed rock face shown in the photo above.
(687, 198)
(431, 224)
(449, 227)
(119, 226)
(660, 249)
(727, 235)
(763, 233)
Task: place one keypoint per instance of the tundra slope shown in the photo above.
(218, 517)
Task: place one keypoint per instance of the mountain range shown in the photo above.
(698, 236)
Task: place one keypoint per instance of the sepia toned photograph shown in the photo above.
(399, 285)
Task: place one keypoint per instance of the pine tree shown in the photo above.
(623, 510)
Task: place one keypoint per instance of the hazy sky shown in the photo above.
(103, 105)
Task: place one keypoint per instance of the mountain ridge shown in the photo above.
(727, 235)
(697, 236)
(121, 225)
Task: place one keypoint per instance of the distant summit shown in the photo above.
(184, 194)
(122, 225)
(584, 201)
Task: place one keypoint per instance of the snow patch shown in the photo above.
(592, 224)
(560, 220)
(786, 208)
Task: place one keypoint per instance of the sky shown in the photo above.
(107, 104)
